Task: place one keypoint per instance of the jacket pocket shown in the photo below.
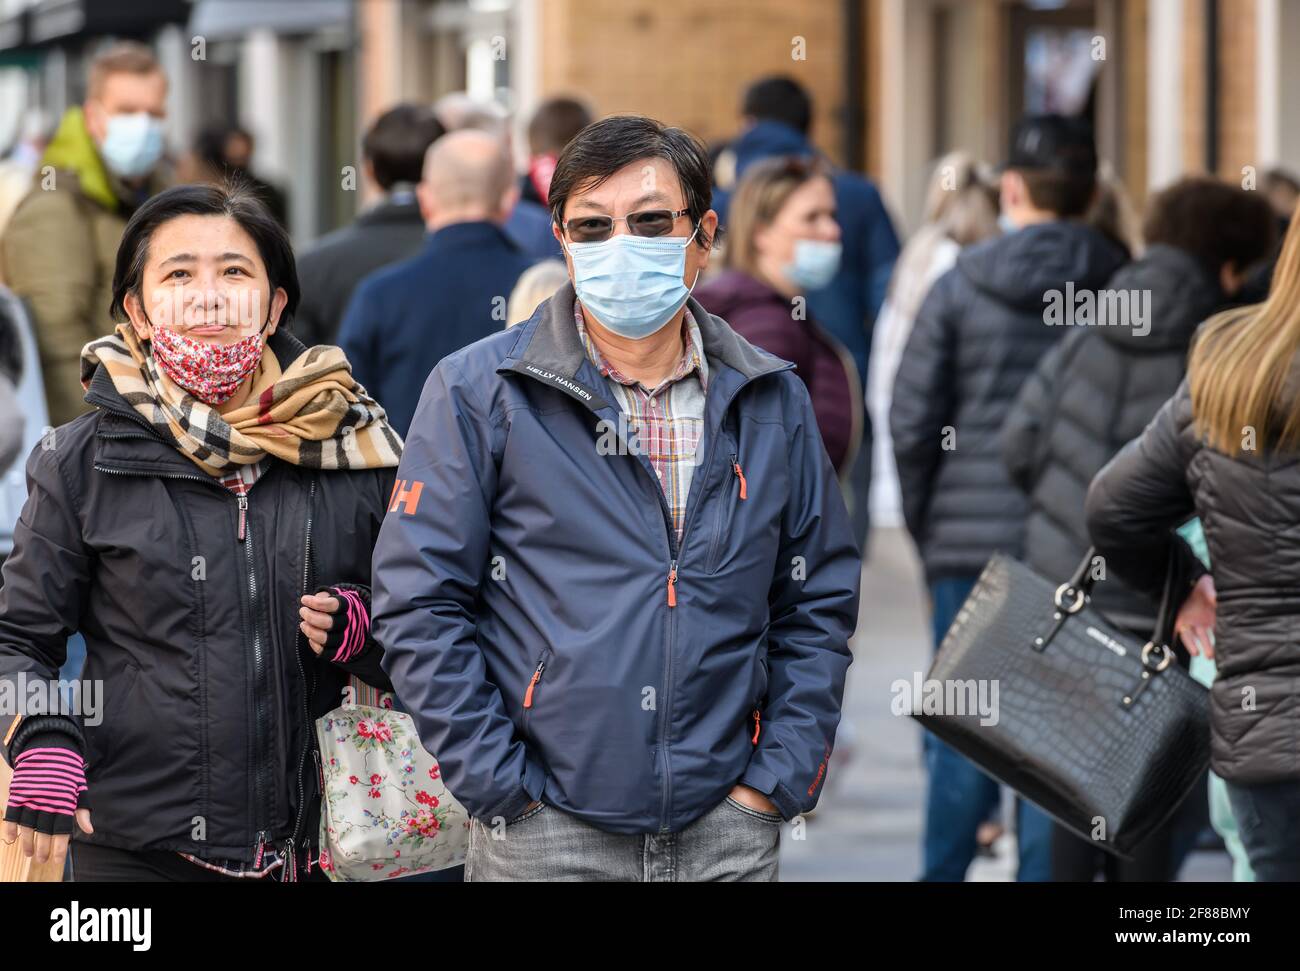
(531, 694)
(104, 740)
(733, 491)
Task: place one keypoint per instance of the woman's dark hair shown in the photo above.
(1216, 222)
(605, 146)
(233, 199)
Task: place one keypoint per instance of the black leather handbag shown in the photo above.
(1106, 734)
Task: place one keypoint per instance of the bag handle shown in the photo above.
(1071, 595)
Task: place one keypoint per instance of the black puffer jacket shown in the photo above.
(203, 738)
(1249, 507)
(1093, 392)
(977, 338)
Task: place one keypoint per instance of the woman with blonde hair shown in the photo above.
(1226, 448)
(535, 286)
(961, 208)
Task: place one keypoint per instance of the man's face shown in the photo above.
(645, 184)
(125, 94)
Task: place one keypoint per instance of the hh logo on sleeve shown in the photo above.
(406, 495)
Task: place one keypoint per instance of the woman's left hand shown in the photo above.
(1195, 621)
(317, 612)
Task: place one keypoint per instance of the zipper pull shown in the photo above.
(740, 474)
(307, 847)
(672, 585)
(537, 676)
(261, 845)
(243, 516)
(290, 864)
(756, 727)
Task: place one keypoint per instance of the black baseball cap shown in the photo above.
(1054, 143)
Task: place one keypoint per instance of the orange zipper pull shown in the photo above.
(740, 474)
(672, 585)
(756, 727)
(537, 676)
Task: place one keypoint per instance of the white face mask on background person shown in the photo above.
(132, 145)
(815, 263)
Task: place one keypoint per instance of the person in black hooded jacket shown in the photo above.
(1098, 388)
(977, 338)
(200, 527)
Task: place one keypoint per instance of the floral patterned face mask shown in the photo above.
(210, 372)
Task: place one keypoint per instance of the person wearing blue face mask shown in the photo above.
(782, 242)
(58, 249)
(617, 582)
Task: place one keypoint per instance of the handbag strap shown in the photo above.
(1082, 581)
(368, 694)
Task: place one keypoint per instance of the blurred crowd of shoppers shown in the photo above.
(671, 312)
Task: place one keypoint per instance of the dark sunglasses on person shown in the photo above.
(647, 222)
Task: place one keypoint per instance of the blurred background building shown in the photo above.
(1173, 86)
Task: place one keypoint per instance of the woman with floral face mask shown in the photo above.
(208, 529)
(782, 241)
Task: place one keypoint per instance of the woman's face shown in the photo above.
(204, 278)
(808, 213)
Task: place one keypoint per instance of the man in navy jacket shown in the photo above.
(404, 319)
(616, 583)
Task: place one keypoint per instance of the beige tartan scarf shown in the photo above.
(312, 413)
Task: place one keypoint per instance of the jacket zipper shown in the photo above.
(297, 656)
(740, 473)
(674, 549)
(261, 836)
(537, 676)
(264, 788)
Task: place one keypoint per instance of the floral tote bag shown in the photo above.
(385, 812)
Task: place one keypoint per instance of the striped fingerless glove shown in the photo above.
(350, 635)
(48, 785)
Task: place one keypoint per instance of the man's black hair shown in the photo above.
(236, 200)
(395, 144)
(779, 98)
(605, 146)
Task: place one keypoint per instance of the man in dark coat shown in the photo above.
(404, 319)
(977, 338)
(390, 230)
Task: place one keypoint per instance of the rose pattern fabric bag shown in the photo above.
(385, 812)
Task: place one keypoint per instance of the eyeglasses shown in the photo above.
(647, 222)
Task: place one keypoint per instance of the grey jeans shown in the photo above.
(730, 842)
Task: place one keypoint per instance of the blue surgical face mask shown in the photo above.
(133, 144)
(815, 264)
(633, 284)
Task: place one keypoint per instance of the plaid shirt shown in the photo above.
(239, 481)
(667, 419)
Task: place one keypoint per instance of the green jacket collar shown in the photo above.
(72, 150)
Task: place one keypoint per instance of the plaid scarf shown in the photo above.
(312, 413)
